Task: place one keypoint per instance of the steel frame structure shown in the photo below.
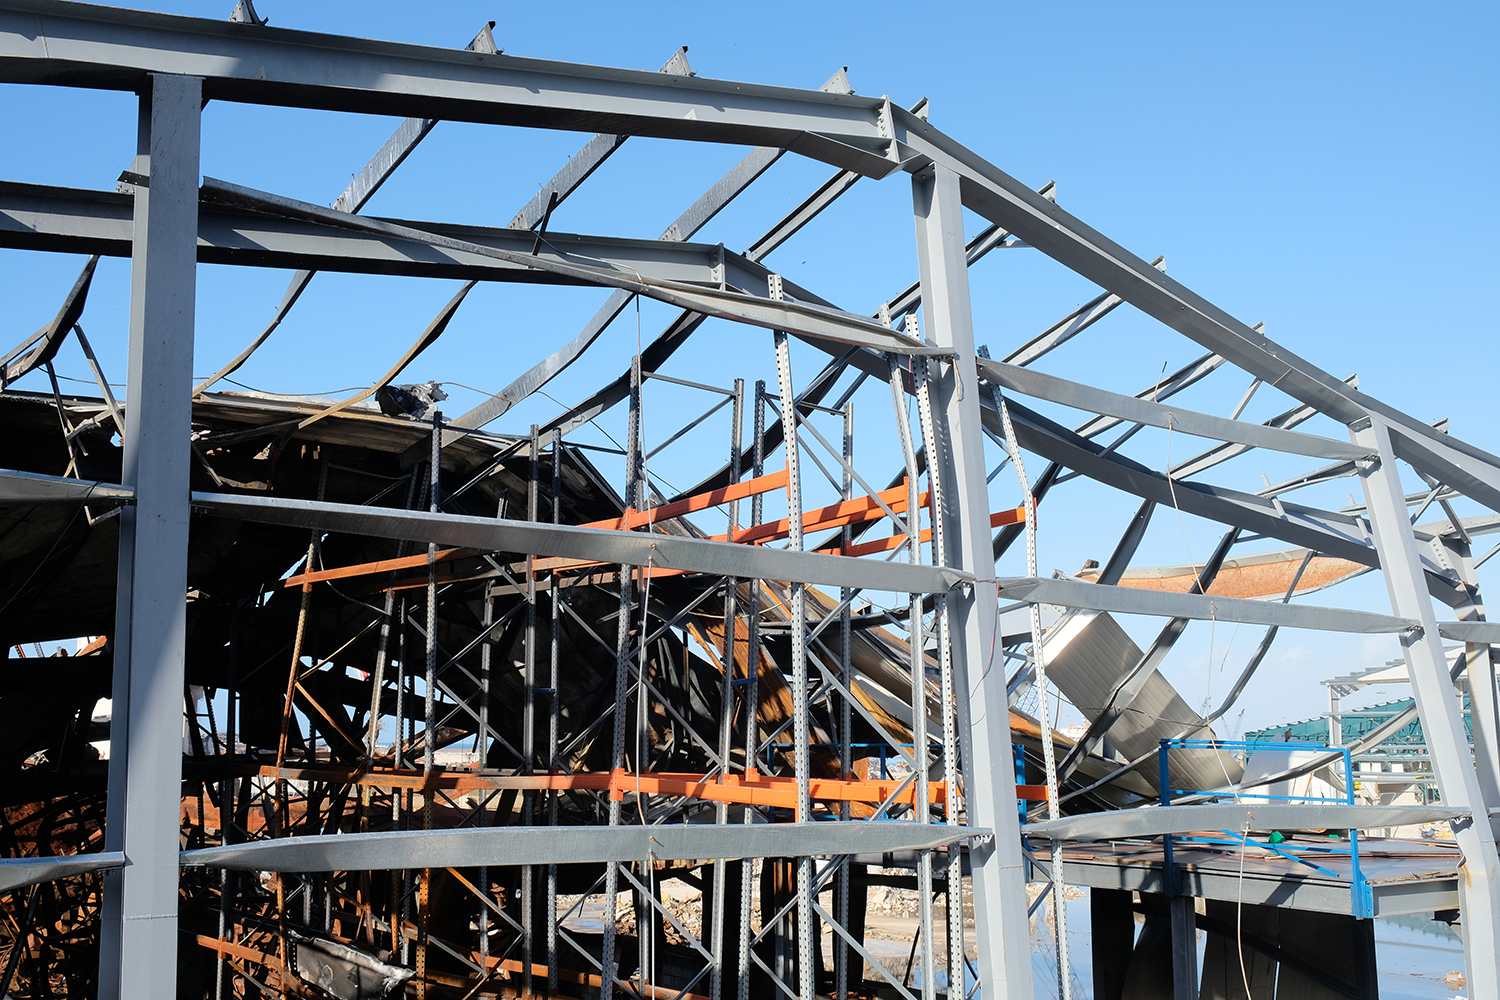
(792, 645)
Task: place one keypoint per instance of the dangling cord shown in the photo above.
(1039, 660)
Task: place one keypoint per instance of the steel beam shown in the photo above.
(32, 489)
(984, 713)
(1003, 200)
(16, 873)
(1437, 703)
(71, 220)
(1155, 821)
(1329, 533)
(138, 952)
(600, 544)
(1177, 418)
(1199, 607)
(546, 845)
(50, 41)
(1476, 631)
(70, 44)
(697, 215)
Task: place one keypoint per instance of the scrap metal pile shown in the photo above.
(466, 711)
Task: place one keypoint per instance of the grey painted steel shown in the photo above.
(51, 335)
(542, 845)
(138, 941)
(802, 313)
(353, 198)
(1437, 703)
(1154, 821)
(363, 187)
(1329, 533)
(1065, 329)
(1184, 925)
(31, 489)
(698, 214)
(999, 880)
(584, 162)
(1001, 199)
(1132, 601)
(601, 544)
(47, 41)
(249, 233)
(1141, 411)
(15, 873)
(577, 170)
(41, 218)
(1482, 631)
(1313, 891)
(708, 205)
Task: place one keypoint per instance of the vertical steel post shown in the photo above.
(429, 723)
(552, 718)
(138, 944)
(954, 884)
(482, 747)
(622, 653)
(797, 600)
(983, 709)
(726, 698)
(1480, 657)
(752, 689)
(528, 720)
(846, 722)
(920, 738)
(1437, 701)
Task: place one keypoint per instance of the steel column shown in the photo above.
(138, 952)
(1437, 703)
(984, 720)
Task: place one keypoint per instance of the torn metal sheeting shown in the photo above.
(574, 844)
(1131, 601)
(603, 545)
(1155, 821)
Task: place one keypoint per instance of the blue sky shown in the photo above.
(1326, 169)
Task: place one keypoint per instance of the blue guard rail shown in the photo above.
(1363, 903)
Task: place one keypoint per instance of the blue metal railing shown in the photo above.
(1363, 903)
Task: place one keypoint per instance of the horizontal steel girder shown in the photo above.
(72, 44)
(81, 45)
(544, 845)
(1154, 821)
(18, 872)
(1331, 534)
(1184, 421)
(1479, 632)
(629, 548)
(30, 489)
(705, 278)
(1200, 607)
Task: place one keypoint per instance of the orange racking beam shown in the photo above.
(758, 789)
(702, 501)
(630, 519)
